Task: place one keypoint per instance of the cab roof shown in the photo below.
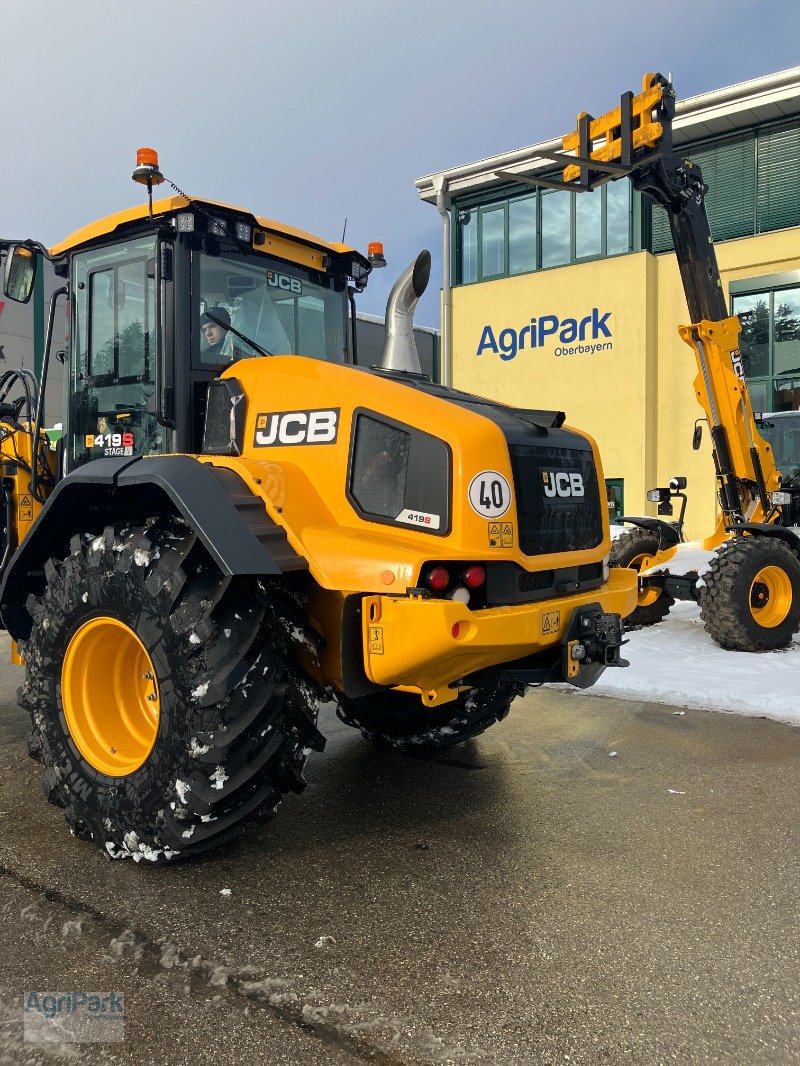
(174, 204)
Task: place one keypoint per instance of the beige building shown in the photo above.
(572, 302)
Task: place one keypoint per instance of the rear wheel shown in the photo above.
(166, 710)
(630, 549)
(400, 720)
(750, 597)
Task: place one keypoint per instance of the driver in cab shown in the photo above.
(214, 326)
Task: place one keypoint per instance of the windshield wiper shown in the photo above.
(236, 333)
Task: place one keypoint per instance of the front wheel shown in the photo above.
(630, 549)
(163, 701)
(750, 597)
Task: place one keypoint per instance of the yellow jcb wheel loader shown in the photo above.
(746, 574)
(242, 523)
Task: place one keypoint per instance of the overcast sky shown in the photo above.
(313, 111)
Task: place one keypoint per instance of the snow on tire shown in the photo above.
(628, 550)
(750, 596)
(234, 722)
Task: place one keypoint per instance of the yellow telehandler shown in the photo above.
(746, 574)
(240, 523)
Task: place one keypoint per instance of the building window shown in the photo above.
(770, 346)
(753, 183)
(468, 245)
(517, 234)
(588, 225)
(522, 231)
(618, 217)
(556, 210)
(493, 232)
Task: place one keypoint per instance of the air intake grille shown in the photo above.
(543, 579)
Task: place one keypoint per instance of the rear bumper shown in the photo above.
(424, 645)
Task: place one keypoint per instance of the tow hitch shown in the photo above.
(591, 643)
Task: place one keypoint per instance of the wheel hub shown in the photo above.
(770, 596)
(109, 692)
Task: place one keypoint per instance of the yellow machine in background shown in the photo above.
(746, 574)
(245, 523)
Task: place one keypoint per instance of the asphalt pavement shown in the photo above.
(592, 881)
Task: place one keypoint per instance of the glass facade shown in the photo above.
(517, 233)
(754, 183)
(770, 346)
(754, 187)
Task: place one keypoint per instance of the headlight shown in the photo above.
(781, 499)
(184, 222)
(358, 272)
(657, 495)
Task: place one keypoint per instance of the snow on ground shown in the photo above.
(676, 662)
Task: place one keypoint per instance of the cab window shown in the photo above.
(283, 308)
(114, 352)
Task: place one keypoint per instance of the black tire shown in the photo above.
(628, 550)
(399, 719)
(750, 597)
(236, 718)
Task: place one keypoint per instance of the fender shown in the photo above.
(215, 503)
(667, 534)
(767, 529)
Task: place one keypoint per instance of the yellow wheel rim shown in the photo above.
(648, 594)
(770, 596)
(110, 696)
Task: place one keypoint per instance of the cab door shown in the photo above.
(114, 405)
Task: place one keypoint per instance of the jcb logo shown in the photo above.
(562, 483)
(297, 427)
(738, 363)
(283, 281)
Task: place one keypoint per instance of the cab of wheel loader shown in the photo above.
(142, 288)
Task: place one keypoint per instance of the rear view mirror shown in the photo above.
(19, 274)
(697, 436)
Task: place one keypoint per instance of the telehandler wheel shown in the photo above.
(165, 708)
(750, 598)
(400, 720)
(630, 549)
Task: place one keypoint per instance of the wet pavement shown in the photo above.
(529, 898)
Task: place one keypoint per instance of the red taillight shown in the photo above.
(437, 579)
(474, 577)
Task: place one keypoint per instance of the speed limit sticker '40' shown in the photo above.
(489, 494)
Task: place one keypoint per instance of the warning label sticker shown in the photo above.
(25, 509)
(376, 640)
(501, 534)
(551, 622)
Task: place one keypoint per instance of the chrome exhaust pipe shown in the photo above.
(400, 348)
